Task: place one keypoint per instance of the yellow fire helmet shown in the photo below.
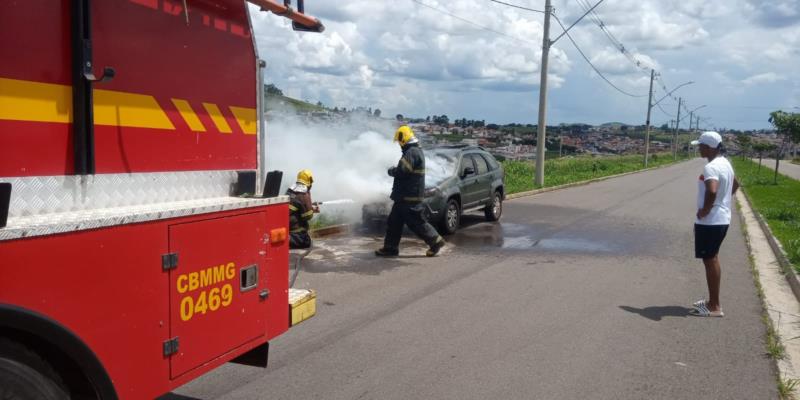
(305, 177)
(403, 135)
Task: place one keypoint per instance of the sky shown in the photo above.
(478, 59)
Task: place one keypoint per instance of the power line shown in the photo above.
(663, 111)
(590, 63)
(516, 6)
(616, 42)
(475, 24)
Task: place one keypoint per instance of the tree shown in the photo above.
(273, 90)
(788, 127)
(760, 148)
(664, 127)
(399, 117)
(744, 142)
(377, 113)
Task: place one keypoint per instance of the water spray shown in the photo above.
(333, 202)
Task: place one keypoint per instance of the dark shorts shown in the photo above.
(707, 239)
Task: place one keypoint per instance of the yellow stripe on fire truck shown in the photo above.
(217, 117)
(188, 115)
(22, 100)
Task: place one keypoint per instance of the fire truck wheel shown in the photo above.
(24, 375)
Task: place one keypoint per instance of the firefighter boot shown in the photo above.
(435, 247)
(384, 252)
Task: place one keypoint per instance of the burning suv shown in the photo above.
(458, 179)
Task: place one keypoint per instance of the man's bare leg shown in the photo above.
(713, 277)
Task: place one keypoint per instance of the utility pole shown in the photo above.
(541, 142)
(675, 135)
(560, 145)
(647, 124)
(691, 120)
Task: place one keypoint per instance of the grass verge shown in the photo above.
(787, 387)
(561, 171)
(779, 204)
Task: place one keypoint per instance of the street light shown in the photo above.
(671, 91)
(691, 118)
(650, 106)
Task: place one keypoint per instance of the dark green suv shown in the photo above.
(458, 179)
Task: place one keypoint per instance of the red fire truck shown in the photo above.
(128, 263)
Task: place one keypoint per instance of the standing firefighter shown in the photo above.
(301, 210)
(407, 194)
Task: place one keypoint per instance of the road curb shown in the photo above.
(778, 298)
(586, 182)
(777, 249)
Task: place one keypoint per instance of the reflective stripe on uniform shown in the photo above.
(406, 165)
(293, 208)
(417, 199)
(298, 230)
(418, 171)
(308, 214)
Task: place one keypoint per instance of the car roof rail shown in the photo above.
(460, 146)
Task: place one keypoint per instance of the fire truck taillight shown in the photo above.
(277, 236)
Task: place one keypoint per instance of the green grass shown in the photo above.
(519, 174)
(278, 102)
(787, 388)
(325, 220)
(778, 204)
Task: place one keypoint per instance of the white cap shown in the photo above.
(711, 139)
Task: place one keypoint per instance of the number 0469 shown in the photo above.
(206, 300)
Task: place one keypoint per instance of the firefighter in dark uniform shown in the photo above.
(301, 210)
(407, 193)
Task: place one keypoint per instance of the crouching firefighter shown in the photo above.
(407, 193)
(301, 210)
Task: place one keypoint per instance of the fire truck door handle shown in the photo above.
(108, 74)
(263, 294)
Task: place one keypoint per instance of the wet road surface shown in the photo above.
(578, 293)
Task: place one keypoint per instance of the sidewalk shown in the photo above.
(781, 304)
(786, 167)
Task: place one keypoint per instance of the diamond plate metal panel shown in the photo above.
(48, 224)
(41, 195)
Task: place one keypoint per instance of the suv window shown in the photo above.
(466, 161)
(492, 162)
(482, 167)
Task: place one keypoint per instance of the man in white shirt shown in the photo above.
(716, 186)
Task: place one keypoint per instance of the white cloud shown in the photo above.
(765, 78)
(406, 58)
(614, 62)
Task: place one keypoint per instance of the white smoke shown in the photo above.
(348, 158)
(438, 167)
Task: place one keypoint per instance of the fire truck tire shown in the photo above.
(25, 376)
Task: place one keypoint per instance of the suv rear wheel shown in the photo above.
(451, 218)
(494, 210)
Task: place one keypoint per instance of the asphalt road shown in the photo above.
(578, 293)
(786, 167)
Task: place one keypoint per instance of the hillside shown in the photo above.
(280, 102)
